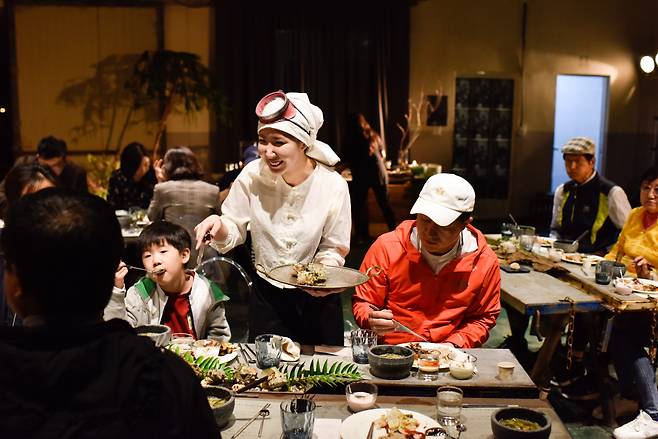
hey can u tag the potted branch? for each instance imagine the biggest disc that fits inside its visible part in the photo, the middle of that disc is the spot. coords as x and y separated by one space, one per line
168 79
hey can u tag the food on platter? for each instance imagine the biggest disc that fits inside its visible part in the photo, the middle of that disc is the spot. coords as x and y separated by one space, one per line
545 242
579 258
639 285
515 266
310 274
399 425
442 351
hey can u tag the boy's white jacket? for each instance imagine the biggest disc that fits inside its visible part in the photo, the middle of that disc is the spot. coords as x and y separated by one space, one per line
145 302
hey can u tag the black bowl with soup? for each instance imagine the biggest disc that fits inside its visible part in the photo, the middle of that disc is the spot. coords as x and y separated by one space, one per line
520 423
390 362
222 403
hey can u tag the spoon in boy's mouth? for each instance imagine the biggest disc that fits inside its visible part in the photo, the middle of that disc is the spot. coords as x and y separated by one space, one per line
156 272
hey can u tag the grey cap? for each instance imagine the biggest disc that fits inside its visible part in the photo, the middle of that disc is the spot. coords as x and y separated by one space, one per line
579 145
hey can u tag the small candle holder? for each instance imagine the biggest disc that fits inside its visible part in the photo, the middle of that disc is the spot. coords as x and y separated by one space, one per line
361 396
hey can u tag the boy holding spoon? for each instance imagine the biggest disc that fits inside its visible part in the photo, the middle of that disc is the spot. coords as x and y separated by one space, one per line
185 301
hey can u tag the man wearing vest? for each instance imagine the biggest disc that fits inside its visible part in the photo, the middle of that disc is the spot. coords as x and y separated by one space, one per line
588 202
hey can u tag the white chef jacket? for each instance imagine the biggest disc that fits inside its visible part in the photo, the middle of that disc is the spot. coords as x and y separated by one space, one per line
288 224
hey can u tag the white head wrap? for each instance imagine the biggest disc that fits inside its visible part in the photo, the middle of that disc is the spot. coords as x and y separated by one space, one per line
305 127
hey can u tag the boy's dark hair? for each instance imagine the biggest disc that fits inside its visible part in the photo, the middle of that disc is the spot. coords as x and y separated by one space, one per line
21 177
64 248
51 147
649 175
161 232
180 163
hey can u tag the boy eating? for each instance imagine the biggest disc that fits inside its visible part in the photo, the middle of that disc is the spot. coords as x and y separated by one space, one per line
185 301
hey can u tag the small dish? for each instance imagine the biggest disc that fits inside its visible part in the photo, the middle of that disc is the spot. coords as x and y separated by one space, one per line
501 431
390 368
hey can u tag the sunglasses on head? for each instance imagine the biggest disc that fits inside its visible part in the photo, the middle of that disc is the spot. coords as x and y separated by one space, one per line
282 108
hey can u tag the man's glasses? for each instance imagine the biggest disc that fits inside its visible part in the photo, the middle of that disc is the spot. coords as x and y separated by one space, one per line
281 109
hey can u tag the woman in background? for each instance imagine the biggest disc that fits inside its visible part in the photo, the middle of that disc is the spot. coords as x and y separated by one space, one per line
181 196
366 154
132 184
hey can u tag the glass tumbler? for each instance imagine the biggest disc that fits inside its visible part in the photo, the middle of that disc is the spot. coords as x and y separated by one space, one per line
449 404
297 418
268 350
603 272
362 340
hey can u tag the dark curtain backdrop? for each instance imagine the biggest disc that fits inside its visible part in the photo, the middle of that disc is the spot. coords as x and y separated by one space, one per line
348 56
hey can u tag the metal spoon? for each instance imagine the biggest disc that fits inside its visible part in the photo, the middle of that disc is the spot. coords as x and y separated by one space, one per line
260 413
156 271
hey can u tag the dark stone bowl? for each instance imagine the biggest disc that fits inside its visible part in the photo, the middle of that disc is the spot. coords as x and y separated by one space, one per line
390 368
222 413
502 432
160 334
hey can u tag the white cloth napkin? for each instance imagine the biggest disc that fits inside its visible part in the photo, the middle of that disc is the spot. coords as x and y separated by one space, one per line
290 350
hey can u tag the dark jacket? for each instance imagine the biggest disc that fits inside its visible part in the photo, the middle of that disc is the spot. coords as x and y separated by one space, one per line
98 381
585 207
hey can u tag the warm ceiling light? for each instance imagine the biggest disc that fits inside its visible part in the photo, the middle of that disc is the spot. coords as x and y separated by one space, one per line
647 64
657 58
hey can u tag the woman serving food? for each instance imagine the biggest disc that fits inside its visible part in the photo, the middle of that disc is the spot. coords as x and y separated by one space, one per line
298 211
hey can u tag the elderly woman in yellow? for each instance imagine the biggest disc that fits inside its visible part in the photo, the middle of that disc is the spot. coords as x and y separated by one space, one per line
638 241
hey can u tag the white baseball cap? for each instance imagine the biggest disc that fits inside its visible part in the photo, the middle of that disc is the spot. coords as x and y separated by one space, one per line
444 197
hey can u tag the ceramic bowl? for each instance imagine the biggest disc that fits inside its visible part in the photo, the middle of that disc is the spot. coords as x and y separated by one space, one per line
567 245
223 412
500 431
160 334
390 368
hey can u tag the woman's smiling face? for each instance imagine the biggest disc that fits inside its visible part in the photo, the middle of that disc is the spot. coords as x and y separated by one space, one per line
649 195
282 152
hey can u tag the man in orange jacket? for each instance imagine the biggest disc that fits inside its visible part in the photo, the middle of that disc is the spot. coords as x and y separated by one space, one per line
439 277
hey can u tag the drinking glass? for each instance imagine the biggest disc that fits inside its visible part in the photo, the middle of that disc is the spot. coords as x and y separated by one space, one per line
428 366
362 340
361 396
506 231
181 338
603 272
268 350
618 270
448 404
297 418
527 241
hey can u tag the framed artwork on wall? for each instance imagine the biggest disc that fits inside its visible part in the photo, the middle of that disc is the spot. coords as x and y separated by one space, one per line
482 134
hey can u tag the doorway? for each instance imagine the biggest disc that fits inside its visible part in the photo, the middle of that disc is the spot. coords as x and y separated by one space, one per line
581 109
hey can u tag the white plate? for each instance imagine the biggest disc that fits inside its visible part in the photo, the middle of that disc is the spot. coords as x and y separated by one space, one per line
357 425
578 258
545 241
451 352
632 284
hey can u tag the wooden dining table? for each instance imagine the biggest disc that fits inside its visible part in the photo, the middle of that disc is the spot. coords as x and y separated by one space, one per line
484 383
332 410
550 297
